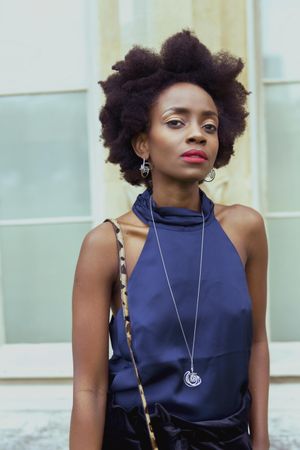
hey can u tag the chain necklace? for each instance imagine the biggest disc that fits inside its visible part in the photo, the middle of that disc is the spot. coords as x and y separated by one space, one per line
190 378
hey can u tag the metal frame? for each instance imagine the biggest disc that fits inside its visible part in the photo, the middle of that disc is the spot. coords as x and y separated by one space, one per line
283 355
34 354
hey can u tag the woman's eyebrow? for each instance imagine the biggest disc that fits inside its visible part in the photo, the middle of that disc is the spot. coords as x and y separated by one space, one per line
183 110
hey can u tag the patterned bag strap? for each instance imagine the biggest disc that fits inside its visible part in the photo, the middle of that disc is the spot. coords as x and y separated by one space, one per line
124 299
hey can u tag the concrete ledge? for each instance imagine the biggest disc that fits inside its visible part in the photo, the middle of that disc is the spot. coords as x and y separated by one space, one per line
22 361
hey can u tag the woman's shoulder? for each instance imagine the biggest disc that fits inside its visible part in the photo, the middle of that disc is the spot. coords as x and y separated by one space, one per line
240 215
103 235
99 243
243 225
131 219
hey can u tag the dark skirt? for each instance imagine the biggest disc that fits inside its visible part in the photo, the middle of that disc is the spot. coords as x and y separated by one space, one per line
127 430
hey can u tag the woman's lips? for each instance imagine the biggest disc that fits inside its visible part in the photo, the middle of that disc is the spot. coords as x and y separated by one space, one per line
194 156
194 159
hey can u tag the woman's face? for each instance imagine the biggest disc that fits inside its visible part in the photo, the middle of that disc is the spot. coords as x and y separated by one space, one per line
183 118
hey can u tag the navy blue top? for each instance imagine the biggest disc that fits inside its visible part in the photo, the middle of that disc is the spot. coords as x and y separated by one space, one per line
224 328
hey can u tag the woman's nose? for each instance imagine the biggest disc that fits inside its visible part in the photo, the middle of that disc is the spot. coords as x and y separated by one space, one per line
195 134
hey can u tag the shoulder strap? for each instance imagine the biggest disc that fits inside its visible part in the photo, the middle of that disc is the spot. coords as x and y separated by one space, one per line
127 323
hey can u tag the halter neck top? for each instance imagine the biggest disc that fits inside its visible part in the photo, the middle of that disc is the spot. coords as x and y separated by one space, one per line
224 320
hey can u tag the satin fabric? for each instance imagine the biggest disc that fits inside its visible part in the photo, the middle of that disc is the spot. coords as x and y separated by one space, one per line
224 328
127 430
172 216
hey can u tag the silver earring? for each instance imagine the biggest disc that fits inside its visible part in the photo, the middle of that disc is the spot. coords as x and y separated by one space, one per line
212 175
145 168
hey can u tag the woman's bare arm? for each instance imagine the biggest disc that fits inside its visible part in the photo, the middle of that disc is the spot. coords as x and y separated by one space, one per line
95 275
256 271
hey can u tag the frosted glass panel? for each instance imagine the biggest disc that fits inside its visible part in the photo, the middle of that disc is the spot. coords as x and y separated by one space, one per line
134 22
43 45
44 167
38 265
283 147
284 276
280 32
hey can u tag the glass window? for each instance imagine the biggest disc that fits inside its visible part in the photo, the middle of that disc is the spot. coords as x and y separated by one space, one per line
48 91
133 23
284 250
44 157
44 173
280 33
38 265
282 106
281 71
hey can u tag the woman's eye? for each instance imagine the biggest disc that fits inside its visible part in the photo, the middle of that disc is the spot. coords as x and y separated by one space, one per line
174 122
210 127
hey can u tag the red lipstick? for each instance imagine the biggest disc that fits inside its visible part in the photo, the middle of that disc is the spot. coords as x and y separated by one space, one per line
194 156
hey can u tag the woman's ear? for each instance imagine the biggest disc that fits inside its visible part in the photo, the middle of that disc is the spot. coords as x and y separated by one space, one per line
140 145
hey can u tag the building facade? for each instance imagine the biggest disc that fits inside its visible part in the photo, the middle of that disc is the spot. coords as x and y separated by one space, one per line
55 185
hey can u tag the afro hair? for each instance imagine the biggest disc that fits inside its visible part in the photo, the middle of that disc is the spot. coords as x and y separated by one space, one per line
144 74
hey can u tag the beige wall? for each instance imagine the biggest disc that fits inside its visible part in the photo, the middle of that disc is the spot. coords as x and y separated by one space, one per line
220 25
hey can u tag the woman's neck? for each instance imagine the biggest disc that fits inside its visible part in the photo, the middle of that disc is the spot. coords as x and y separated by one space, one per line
186 196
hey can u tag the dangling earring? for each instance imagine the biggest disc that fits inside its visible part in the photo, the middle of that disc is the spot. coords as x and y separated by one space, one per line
145 168
212 175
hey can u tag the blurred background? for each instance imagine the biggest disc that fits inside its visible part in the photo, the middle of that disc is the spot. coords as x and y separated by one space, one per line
55 185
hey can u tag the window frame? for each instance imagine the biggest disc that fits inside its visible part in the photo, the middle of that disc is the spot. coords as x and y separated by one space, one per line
284 356
54 360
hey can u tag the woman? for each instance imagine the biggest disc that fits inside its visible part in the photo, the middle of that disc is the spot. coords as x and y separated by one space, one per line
190 356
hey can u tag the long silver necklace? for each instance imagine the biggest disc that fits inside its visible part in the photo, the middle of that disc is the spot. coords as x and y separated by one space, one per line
190 378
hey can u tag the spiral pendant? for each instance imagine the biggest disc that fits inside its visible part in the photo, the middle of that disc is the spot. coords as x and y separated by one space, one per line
191 379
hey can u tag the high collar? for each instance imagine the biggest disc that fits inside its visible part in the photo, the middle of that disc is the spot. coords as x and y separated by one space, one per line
170 215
